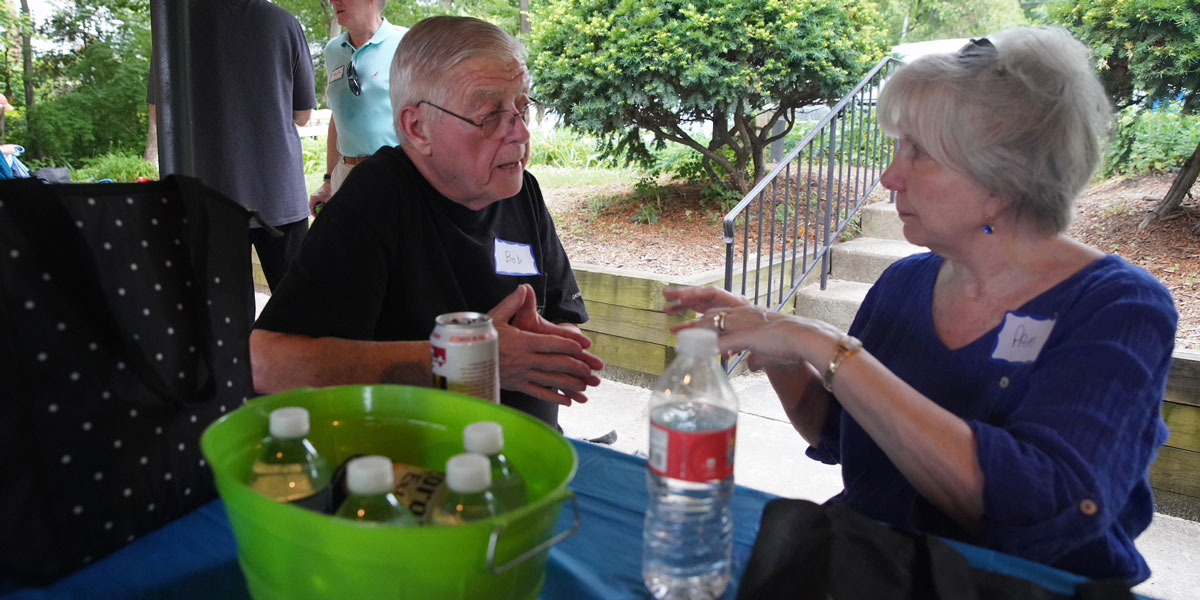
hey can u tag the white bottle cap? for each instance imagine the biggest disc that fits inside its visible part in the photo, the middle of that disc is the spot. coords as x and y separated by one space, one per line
696 342
368 475
484 437
469 473
289 423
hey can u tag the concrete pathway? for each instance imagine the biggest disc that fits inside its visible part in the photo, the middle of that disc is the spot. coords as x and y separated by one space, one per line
770 457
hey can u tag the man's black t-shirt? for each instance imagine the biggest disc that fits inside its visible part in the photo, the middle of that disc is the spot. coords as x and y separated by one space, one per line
389 254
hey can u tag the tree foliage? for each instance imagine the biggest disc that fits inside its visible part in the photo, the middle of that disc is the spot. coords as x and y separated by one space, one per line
1148 52
90 87
621 68
922 20
96 102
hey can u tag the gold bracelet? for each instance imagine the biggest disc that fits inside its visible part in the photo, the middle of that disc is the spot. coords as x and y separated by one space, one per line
847 346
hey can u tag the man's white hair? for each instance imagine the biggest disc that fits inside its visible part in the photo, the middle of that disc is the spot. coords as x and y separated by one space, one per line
435 46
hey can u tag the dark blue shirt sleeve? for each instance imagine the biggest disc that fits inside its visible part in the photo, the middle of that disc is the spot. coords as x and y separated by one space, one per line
1069 459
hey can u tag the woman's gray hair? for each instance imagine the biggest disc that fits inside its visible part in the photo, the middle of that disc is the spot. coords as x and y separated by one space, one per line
1021 113
435 46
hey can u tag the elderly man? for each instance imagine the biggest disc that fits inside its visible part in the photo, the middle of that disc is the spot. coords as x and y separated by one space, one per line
422 229
357 64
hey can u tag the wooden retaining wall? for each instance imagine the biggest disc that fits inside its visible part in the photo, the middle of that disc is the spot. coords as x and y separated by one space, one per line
627 325
628 328
1175 475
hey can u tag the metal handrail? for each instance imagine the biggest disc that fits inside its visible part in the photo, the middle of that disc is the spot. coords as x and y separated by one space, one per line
845 152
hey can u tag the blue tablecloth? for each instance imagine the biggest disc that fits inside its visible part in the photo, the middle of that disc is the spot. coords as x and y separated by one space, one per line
196 557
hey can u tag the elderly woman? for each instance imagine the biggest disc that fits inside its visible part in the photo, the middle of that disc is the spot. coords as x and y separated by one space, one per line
1007 386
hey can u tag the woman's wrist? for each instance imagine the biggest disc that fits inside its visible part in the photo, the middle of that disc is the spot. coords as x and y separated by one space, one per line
847 346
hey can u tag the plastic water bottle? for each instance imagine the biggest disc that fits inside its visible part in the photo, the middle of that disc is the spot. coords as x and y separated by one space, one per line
370 480
289 469
487 438
467 499
688 535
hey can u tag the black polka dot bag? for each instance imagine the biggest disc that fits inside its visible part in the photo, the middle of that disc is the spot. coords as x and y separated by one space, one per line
124 322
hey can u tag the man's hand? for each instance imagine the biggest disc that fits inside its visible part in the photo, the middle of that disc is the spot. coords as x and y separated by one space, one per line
542 359
321 196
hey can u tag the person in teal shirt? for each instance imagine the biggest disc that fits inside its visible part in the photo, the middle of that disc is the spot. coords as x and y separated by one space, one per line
357 64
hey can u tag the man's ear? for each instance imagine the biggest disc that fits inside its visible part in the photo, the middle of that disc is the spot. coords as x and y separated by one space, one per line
414 127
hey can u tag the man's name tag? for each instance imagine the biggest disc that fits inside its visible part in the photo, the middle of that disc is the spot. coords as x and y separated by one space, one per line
1021 338
336 74
514 259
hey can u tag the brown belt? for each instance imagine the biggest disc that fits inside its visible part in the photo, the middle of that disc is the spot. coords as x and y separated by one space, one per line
353 160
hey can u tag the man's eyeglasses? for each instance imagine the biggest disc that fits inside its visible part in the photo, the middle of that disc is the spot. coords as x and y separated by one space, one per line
491 122
352 79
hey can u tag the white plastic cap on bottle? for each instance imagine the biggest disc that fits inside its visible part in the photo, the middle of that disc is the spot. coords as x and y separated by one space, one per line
484 437
289 423
368 475
696 342
469 473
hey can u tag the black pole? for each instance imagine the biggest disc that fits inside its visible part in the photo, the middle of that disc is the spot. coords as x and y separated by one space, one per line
172 50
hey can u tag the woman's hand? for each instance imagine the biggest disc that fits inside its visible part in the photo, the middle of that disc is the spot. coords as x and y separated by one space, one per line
700 299
771 338
776 343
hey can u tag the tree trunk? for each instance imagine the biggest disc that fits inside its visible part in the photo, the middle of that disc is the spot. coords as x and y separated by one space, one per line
151 152
909 9
524 5
27 72
334 29
1179 188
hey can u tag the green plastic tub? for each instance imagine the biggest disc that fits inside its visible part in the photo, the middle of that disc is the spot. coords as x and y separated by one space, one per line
287 552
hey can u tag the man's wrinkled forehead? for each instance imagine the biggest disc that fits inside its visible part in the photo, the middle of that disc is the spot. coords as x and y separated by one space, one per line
500 70
491 77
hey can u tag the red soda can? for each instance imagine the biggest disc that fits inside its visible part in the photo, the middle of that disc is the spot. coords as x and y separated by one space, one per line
465 353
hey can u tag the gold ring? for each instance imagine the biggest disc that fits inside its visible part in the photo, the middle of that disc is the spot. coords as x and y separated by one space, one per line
719 321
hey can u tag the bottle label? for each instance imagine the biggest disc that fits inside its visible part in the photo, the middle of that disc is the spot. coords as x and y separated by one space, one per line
417 488
699 457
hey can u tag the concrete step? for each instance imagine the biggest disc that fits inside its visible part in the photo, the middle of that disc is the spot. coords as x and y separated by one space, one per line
879 220
864 259
836 304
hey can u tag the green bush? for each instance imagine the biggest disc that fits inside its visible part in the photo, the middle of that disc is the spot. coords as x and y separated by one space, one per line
682 162
1152 140
566 148
117 166
100 107
315 160
649 196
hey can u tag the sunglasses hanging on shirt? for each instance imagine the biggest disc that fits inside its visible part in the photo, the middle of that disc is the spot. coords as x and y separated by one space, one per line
352 79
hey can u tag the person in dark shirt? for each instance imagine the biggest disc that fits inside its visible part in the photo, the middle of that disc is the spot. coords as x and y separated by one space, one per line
247 146
1007 389
448 221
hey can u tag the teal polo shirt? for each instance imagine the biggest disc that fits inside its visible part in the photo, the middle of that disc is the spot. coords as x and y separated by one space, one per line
364 122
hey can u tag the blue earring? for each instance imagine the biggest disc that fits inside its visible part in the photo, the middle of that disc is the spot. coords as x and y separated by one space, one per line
988 229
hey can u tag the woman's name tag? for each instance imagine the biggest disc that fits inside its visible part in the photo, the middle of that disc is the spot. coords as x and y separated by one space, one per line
1021 338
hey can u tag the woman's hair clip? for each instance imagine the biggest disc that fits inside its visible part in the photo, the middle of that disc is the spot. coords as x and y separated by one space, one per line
976 50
